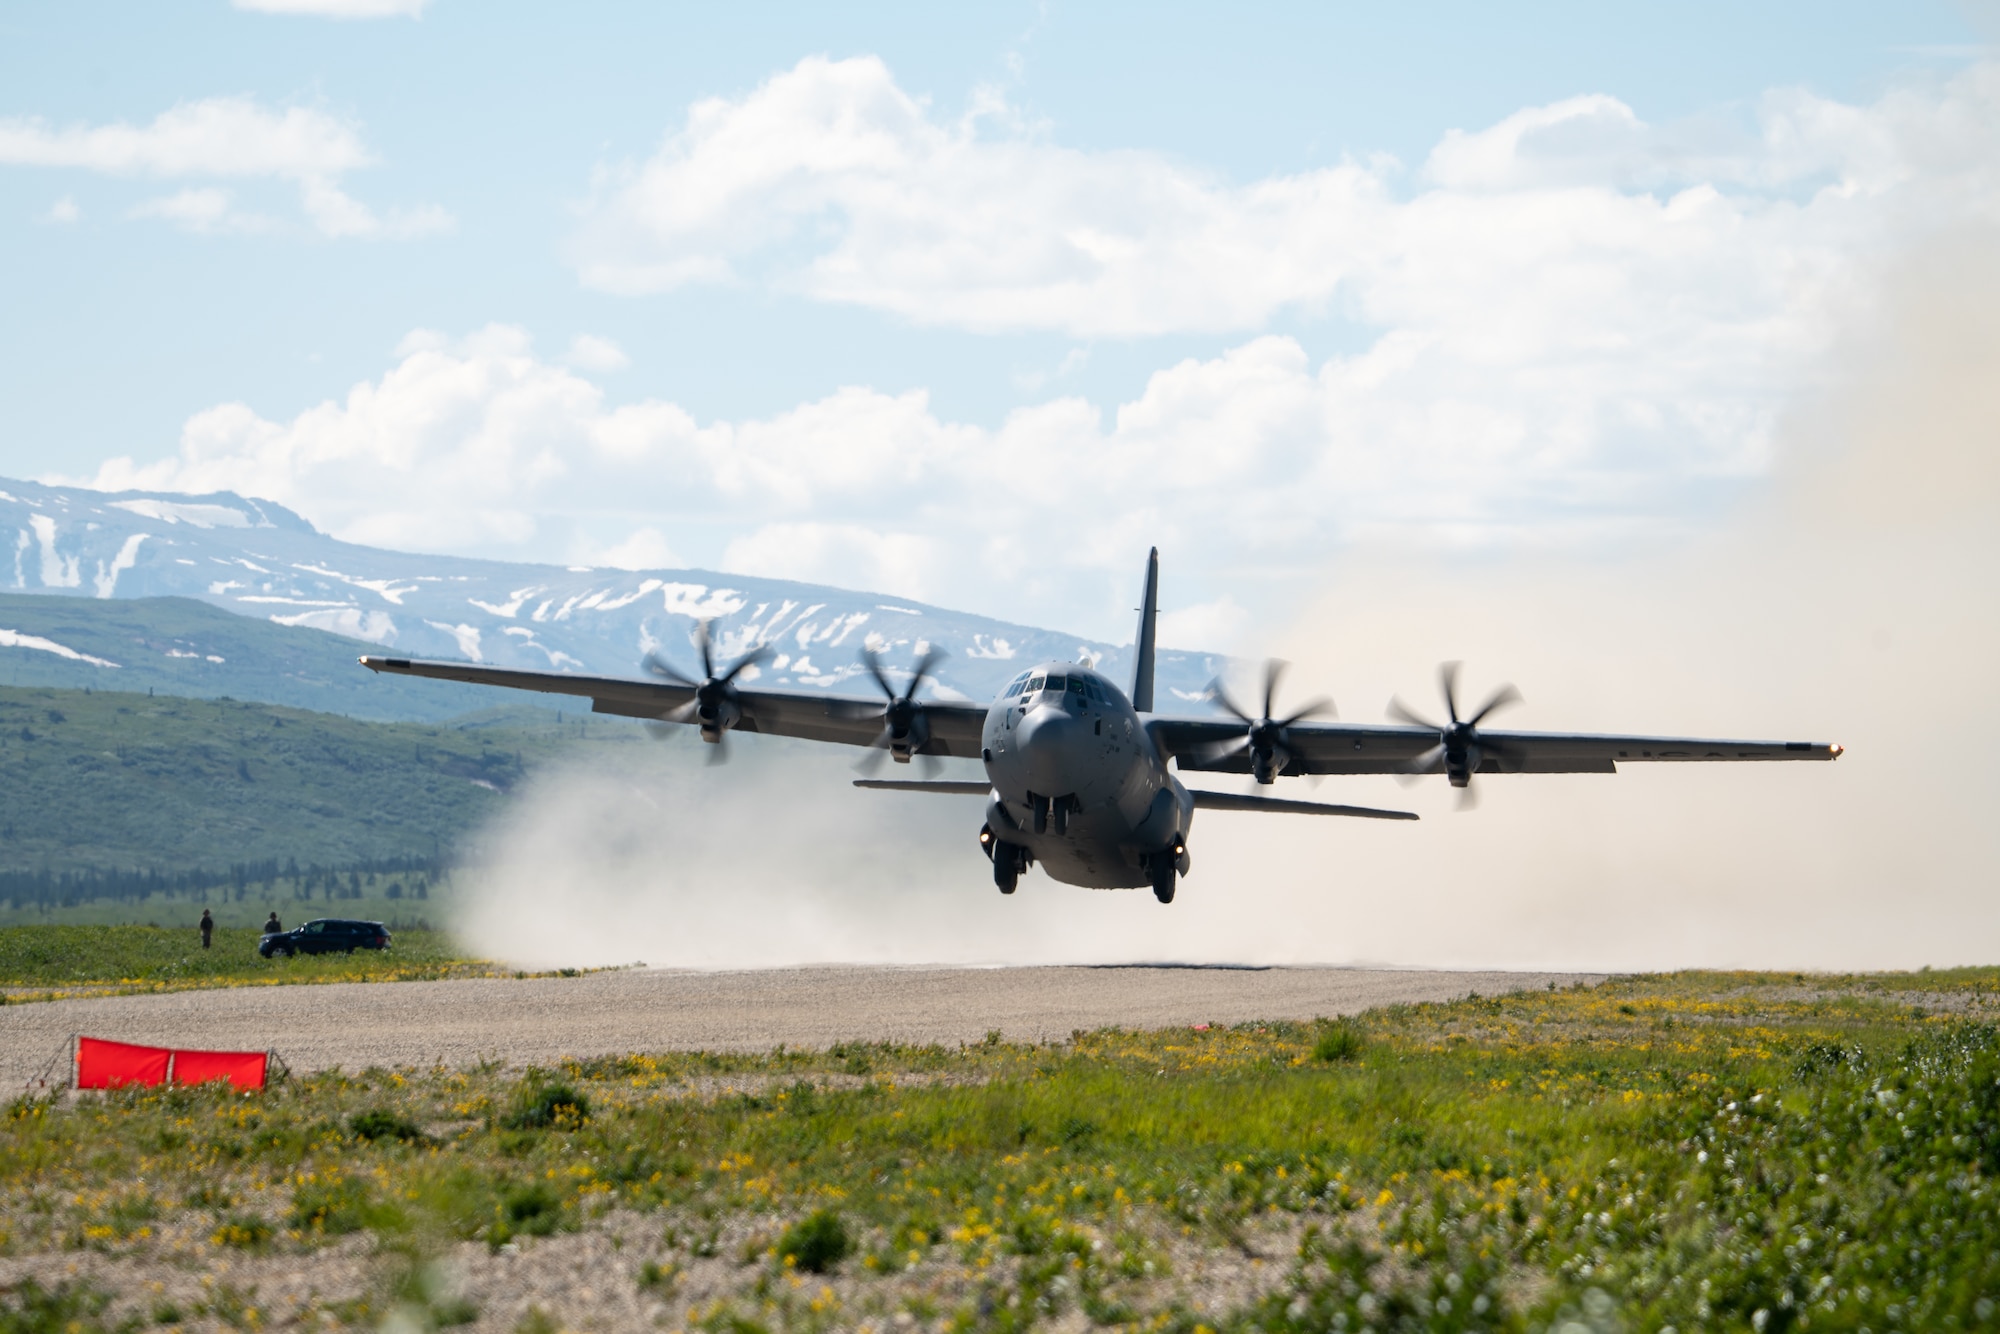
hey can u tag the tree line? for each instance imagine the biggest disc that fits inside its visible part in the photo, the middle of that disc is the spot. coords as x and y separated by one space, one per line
72 888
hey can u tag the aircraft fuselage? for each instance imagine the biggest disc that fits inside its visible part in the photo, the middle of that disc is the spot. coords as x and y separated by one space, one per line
1079 784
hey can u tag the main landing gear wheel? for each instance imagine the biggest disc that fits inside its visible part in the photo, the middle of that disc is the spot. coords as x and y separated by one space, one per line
1007 860
1164 875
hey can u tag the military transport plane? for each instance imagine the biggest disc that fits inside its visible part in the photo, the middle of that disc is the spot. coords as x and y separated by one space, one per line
1080 774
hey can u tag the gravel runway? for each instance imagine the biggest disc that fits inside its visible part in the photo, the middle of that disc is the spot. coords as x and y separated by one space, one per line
538 1020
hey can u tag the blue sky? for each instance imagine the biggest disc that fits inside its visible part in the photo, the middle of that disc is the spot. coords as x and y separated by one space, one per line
1105 256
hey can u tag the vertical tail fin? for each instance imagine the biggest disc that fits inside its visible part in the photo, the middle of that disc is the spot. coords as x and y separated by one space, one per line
1142 648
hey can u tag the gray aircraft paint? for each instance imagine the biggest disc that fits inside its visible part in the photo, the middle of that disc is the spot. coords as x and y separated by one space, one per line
1083 759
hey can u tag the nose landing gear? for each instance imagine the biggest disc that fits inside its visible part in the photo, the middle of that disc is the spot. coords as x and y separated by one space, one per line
1052 812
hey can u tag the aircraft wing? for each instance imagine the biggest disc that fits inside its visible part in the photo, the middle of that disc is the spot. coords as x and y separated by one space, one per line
954 727
1202 745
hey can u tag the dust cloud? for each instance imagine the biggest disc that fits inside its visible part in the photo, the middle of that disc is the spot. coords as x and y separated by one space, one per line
1856 599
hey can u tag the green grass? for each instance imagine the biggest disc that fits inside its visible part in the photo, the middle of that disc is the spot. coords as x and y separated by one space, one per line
1714 1151
143 958
122 781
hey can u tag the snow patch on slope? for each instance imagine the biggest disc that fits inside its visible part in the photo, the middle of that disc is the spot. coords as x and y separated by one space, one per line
127 557
15 639
57 571
374 626
392 590
194 515
466 635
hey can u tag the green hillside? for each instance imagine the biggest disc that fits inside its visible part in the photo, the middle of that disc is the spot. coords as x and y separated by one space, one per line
108 781
177 646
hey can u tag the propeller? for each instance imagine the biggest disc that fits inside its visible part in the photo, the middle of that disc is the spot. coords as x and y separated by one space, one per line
715 706
1265 737
1460 748
905 730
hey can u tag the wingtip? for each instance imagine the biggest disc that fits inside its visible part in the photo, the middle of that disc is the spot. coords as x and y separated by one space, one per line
1835 751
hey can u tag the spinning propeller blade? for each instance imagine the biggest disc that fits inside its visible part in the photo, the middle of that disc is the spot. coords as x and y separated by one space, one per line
905 732
715 707
1266 737
1460 747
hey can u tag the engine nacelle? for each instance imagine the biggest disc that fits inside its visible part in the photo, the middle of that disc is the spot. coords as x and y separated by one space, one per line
1267 762
715 713
1460 763
909 740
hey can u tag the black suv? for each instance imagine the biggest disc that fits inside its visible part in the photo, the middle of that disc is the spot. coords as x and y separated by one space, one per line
326 936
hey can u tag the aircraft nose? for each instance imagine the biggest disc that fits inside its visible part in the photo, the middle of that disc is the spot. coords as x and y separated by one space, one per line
1045 737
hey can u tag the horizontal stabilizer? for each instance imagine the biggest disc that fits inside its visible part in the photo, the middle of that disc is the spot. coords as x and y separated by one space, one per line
1230 801
913 785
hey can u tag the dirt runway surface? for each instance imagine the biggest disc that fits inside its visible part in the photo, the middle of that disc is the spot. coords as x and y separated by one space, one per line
535 1021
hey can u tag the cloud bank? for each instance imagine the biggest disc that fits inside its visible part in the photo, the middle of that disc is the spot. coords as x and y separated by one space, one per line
1561 230
1256 457
1581 330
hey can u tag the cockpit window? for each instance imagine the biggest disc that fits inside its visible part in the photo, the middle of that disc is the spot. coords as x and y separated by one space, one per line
1078 686
1034 684
1058 683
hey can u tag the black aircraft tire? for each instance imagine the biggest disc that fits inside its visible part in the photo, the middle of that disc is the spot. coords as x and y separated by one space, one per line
1006 867
1163 879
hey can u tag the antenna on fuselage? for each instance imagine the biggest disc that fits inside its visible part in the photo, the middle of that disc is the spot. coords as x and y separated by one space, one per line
1142 651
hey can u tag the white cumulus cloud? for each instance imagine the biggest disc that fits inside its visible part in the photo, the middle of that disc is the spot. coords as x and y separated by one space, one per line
644 548
228 137
588 352
205 209
832 181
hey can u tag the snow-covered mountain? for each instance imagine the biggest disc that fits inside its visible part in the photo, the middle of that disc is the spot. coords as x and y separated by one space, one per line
259 559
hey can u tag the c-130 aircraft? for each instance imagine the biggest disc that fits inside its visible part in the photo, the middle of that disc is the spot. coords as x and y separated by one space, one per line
1081 776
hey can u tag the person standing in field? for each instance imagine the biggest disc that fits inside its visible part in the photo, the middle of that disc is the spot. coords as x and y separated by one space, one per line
207 928
272 927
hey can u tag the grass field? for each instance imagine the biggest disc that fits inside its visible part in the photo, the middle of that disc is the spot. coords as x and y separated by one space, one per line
103 781
382 896
37 961
1691 1152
